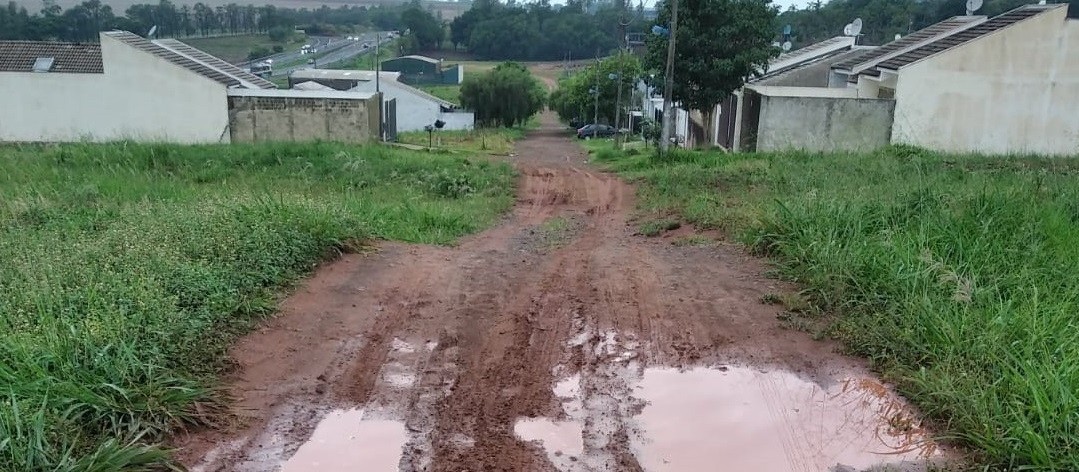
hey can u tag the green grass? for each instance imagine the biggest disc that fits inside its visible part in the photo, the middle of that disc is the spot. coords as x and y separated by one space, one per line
483 140
958 276
235 48
126 269
450 93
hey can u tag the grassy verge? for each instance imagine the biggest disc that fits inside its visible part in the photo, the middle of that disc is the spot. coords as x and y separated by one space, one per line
450 93
235 48
126 269
957 275
483 140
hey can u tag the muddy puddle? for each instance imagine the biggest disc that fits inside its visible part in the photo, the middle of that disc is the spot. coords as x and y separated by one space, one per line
345 440
737 418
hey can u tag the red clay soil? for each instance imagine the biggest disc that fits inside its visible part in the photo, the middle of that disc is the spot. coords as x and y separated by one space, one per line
458 343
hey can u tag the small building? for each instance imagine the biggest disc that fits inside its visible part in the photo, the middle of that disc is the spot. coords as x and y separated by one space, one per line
412 109
130 88
417 70
969 84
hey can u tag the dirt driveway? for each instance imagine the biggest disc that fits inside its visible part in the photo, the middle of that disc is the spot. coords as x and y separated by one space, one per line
557 341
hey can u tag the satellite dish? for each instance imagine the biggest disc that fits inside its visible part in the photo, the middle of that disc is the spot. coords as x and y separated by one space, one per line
973 6
153 29
787 46
856 27
898 36
848 30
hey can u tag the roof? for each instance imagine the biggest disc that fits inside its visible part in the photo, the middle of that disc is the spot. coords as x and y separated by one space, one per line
826 47
809 54
138 42
419 93
310 85
290 93
967 35
247 79
71 58
334 74
871 58
416 58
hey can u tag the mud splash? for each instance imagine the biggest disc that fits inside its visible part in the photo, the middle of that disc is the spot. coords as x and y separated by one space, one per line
747 419
346 441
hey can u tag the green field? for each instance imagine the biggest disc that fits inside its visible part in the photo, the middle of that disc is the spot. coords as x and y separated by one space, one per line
235 48
958 276
126 269
450 93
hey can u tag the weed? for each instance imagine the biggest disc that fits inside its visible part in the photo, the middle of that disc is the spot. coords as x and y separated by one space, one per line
126 269
656 227
955 274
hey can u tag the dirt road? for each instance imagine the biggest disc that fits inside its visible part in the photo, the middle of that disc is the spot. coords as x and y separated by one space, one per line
557 341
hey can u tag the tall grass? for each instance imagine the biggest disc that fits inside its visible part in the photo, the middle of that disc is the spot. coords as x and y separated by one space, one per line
126 269
957 275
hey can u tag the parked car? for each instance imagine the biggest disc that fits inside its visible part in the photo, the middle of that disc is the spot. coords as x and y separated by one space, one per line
598 131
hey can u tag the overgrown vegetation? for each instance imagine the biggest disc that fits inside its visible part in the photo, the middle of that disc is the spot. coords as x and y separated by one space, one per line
483 140
126 269
508 95
956 275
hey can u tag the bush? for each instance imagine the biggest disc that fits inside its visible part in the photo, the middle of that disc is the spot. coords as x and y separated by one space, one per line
258 53
277 48
508 95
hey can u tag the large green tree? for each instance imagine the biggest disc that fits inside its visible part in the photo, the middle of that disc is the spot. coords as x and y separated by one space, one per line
507 95
425 30
720 43
575 99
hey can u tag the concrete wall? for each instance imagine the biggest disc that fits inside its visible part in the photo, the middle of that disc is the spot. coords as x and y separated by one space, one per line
297 118
139 97
414 111
1013 91
823 123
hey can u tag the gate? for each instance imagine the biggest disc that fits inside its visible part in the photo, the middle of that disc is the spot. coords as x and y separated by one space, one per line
390 129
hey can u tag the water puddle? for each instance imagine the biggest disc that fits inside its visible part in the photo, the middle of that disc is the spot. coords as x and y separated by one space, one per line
744 419
557 437
345 441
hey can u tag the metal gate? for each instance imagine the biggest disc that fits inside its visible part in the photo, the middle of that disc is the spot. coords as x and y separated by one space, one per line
391 120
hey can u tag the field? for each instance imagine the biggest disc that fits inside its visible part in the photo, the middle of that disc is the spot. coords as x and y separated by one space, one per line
235 48
955 275
126 270
450 93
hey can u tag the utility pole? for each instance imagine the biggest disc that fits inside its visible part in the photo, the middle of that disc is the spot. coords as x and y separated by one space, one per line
378 89
595 114
668 81
622 24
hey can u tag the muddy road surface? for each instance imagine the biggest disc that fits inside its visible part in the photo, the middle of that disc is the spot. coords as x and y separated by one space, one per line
559 340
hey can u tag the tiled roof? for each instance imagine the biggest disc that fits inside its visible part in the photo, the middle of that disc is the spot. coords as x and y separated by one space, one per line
929 33
995 24
216 63
815 48
139 42
72 58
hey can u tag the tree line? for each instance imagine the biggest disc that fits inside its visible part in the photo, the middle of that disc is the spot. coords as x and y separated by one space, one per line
540 31
83 21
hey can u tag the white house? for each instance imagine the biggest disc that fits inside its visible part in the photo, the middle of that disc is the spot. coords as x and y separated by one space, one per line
413 108
125 87
1003 85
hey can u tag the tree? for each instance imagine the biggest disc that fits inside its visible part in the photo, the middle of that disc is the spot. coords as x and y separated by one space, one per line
721 43
425 29
574 99
508 95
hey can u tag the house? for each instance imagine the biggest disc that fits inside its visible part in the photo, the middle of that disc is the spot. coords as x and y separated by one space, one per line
424 70
804 67
413 109
1002 85
130 88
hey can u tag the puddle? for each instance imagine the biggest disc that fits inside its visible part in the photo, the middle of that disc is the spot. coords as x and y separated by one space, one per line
557 437
743 419
345 441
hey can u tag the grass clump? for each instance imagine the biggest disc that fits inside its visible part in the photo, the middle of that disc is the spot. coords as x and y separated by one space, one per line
126 269
957 275
482 140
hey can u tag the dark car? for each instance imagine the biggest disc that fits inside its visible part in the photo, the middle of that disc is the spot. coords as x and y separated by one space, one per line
597 131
